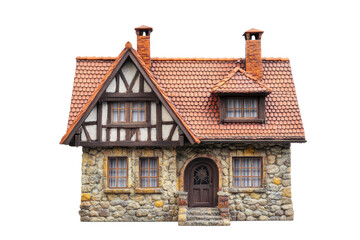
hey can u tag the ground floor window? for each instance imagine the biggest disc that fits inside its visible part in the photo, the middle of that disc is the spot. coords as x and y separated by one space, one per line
118 168
247 172
148 172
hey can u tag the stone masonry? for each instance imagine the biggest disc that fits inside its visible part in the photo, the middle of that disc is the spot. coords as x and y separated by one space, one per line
98 203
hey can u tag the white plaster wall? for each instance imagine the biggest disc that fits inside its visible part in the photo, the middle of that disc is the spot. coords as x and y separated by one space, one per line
147 87
136 86
82 136
166 131
92 131
129 71
113 134
133 138
122 134
104 113
143 134
175 136
165 114
92 116
122 87
112 86
153 113
153 134
103 135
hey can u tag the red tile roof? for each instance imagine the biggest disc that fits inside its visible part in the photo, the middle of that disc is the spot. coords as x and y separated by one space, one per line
238 81
188 84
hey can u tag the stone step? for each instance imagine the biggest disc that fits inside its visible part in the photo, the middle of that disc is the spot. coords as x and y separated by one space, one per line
205 223
203 211
203 217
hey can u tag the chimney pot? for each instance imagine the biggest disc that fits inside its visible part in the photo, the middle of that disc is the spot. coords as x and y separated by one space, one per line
143 43
253 52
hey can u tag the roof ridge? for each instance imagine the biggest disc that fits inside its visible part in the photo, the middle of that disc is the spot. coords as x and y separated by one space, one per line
232 73
183 59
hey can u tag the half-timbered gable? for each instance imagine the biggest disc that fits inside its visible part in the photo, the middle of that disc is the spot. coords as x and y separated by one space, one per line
128 112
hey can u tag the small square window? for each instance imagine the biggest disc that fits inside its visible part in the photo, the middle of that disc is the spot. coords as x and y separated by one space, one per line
247 172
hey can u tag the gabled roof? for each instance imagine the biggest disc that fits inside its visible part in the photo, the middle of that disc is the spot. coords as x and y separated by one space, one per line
188 85
239 81
128 51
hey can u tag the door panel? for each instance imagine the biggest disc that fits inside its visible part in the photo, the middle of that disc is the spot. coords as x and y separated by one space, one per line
201 182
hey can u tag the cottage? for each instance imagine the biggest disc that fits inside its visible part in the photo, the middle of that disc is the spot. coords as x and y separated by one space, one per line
201 141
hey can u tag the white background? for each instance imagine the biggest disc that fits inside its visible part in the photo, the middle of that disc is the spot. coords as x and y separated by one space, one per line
40 179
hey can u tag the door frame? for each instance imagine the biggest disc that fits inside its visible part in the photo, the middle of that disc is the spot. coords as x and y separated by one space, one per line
215 179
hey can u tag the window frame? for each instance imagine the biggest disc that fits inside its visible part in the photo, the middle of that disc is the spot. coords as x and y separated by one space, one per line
251 170
128 112
242 107
148 177
116 177
260 113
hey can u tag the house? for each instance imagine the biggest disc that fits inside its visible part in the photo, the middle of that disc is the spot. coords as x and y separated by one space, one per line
201 141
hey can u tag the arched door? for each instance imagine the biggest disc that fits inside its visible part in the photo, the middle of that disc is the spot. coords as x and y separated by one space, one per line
201 183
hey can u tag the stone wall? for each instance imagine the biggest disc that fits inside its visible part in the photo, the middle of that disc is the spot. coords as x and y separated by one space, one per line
272 202
132 203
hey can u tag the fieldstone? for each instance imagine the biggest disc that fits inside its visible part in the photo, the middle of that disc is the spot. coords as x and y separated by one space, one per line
83 213
287 206
289 212
251 218
256 213
104 213
182 218
254 196
272 187
277 181
105 204
287 192
263 218
240 216
275 196
272 169
248 212
133 205
279 212
138 198
118 202
159 203
85 197
141 213
271 159
286 183
94 214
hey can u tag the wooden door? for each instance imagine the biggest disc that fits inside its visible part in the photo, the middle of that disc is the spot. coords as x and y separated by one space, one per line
202 183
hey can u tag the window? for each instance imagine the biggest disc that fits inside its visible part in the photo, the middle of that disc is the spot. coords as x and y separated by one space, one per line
247 172
241 108
125 112
148 172
117 172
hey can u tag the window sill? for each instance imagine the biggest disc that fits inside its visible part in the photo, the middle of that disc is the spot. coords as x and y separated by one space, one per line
244 120
117 190
247 190
148 190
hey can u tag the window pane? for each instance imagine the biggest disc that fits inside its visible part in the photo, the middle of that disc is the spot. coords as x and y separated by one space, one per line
254 103
112 182
122 105
135 115
237 103
230 103
230 113
237 113
121 173
135 105
256 163
122 163
236 172
153 163
245 182
236 162
121 182
112 172
144 163
246 103
144 182
153 182
153 172
256 172
144 172
114 105
246 113
236 182
142 116
112 163
122 115
142 105
115 115
253 112
256 182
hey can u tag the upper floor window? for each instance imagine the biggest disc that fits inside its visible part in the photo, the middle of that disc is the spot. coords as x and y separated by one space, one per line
241 108
128 112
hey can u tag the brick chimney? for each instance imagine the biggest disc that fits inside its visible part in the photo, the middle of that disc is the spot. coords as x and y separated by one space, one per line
253 52
143 43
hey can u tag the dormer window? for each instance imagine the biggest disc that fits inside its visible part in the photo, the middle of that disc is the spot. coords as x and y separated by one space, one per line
243 108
